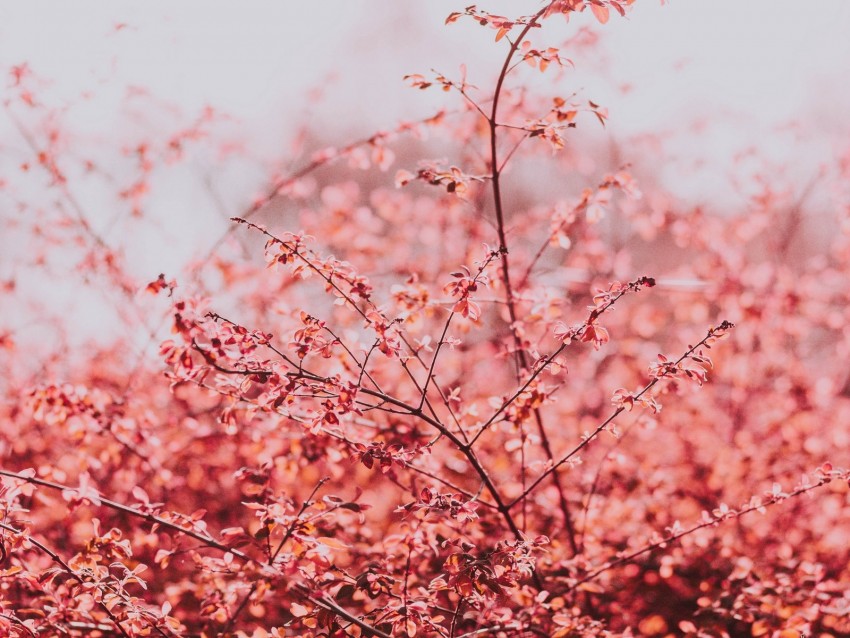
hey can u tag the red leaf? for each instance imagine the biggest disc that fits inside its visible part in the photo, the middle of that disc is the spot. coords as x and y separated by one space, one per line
600 12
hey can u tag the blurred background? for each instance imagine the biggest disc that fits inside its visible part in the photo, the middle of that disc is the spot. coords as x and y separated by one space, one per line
190 110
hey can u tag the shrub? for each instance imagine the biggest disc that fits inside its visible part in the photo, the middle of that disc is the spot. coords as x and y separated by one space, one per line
435 407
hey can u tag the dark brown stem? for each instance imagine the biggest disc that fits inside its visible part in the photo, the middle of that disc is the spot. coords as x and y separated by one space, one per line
208 541
601 427
290 530
627 558
429 377
521 358
462 446
44 549
495 173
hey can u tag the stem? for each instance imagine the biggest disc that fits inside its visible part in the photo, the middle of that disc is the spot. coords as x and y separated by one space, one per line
290 530
44 549
464 448
448 323
593 435
674 537
521 358
208 541
633 286
496 180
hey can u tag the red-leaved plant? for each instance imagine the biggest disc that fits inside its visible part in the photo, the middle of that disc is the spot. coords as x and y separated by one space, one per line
435 409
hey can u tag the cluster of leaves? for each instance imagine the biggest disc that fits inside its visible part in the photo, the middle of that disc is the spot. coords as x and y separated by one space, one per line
409 431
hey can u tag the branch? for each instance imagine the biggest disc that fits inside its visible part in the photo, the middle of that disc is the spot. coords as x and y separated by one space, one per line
522 362
44 549
714 519
712 333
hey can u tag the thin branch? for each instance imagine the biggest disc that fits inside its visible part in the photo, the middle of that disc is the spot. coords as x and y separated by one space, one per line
205 539
281 183
521 358
617 412
290 530
44 549
715 520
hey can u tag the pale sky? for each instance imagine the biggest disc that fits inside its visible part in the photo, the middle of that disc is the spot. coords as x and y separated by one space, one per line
765 59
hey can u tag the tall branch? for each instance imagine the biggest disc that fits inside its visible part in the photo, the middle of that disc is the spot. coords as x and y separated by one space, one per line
522 359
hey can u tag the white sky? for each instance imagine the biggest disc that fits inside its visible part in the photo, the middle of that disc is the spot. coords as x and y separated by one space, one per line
765 59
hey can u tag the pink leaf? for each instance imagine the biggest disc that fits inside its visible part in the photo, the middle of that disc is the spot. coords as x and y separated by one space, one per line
600 12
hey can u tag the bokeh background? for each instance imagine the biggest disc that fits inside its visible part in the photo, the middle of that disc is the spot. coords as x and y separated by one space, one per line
249 91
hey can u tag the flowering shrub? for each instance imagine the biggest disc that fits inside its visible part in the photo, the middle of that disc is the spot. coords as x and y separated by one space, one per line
449 402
